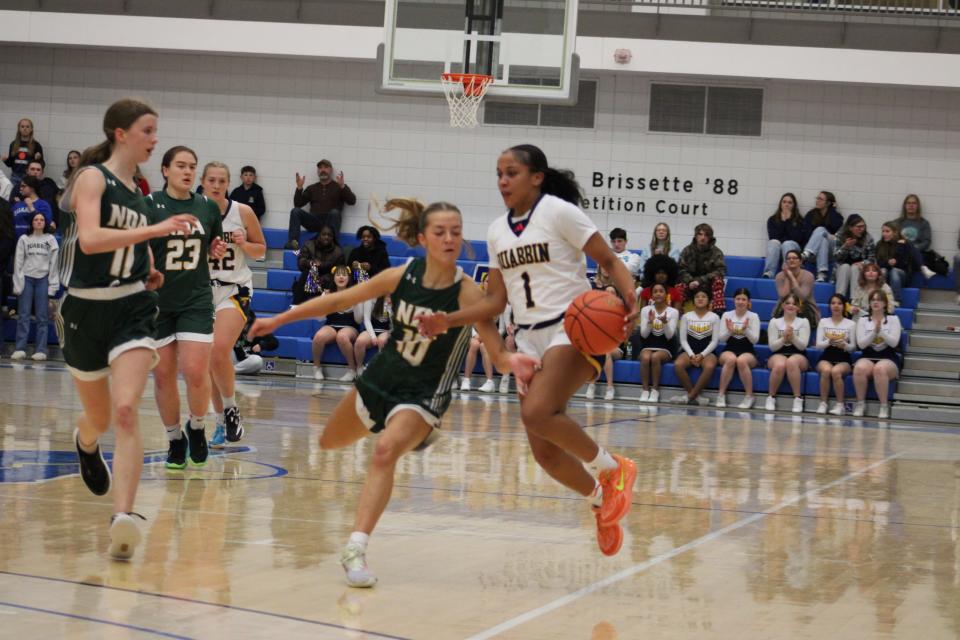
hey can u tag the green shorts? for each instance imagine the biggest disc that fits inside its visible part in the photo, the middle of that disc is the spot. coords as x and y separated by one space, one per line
375 409
193 324
94 332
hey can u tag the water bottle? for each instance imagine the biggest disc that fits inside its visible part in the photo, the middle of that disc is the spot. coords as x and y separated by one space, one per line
629 350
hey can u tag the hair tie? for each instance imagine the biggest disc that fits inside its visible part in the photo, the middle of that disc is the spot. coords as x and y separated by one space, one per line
333 269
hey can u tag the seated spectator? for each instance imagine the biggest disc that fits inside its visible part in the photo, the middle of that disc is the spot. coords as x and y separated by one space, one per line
915 229
73 162
798 281
602 281
35 280
249 192
702 266
48 189
371 254
471 362
788 336
663 270
740 330
878 336
836 339
341 327
699 336
660 244
823 222
618 242
871 279
246 353
854 246
376 325
897 258
316 260
326 198
786 231
658 325
29 204
23 148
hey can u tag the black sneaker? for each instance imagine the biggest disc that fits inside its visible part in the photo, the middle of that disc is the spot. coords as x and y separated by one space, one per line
198 445
177 453
93 468
234 424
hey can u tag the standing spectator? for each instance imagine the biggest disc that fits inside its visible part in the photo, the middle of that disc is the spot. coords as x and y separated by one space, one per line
798 281
702 266
786 231
853 246
618 242
661 269
73 161
8 244
660 244
878 336
371 254
823 222
29 204
658 325
788 336
915 229
48 189
836 339
740 330
699 336
326 199
35 280
23 148
249 192
898 258
316 260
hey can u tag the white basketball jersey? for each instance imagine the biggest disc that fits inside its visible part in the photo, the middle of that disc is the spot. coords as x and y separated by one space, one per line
233 267
543 265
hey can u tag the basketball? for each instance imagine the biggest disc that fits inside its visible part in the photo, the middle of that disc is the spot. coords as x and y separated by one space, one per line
594 322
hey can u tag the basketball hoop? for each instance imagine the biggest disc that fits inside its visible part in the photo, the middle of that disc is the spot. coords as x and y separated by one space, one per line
464 91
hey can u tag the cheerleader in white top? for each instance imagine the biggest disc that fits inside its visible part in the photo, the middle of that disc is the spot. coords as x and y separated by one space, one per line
537 265
836 339
739 330
658 325
788 337
878 336
699 336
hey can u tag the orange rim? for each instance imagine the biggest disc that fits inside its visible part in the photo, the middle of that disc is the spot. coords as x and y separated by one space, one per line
474 84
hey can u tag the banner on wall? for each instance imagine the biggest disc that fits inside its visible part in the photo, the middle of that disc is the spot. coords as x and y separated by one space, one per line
663 195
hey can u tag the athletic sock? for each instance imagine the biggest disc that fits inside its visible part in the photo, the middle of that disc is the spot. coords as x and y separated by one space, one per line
88 448
596 496
603 462
197 422
359 538
229 402
174 432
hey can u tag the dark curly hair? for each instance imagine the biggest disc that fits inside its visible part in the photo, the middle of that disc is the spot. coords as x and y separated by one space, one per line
659 263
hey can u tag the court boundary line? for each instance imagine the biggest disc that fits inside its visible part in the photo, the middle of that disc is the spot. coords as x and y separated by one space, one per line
76 616
669 555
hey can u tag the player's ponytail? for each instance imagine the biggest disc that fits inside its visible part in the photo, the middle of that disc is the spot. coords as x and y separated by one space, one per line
412 218
556 182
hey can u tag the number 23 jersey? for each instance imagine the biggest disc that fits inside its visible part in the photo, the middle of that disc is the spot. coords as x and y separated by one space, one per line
541 258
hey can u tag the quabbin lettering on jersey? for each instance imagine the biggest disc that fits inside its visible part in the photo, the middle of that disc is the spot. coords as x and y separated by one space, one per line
526 254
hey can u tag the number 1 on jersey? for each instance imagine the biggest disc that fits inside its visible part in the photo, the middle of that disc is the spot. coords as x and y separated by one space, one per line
526 290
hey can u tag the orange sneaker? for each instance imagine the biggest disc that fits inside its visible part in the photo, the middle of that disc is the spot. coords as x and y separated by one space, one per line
609 538
617 490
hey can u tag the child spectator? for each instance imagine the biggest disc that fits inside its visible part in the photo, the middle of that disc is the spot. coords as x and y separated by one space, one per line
699 336
915 229
23 148
878 336
823 222
788 337
661 269
740 330
836 339
702 266
29 204
660 244
249 192
786 231
316 260
618 242
371 254
854 246
73 161
35 280
658 325
897 258
871 279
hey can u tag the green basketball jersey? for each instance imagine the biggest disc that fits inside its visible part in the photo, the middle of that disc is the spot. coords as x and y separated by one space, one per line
120 208
412 369
183 258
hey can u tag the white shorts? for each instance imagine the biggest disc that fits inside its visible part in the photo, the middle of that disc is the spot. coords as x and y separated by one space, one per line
536 342
223 297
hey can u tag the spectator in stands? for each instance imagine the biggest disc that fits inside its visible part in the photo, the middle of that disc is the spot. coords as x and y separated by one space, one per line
8 244
29 204
35 280
376 328
73 161
326 198
663 270
604 282
898 258
837 340
660 244
786 231
740 330
471 362
371 254
915 229
702 266
316 260
853 246
699 335
341 327
249 192
878 336
871 279
246 353
658 325
23 148
823 222
788 337
793 278
618 242
48 189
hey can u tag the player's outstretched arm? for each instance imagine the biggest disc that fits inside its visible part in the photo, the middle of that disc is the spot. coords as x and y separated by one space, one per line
487 307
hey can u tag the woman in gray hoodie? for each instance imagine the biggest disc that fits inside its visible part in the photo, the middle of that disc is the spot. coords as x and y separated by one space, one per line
35 280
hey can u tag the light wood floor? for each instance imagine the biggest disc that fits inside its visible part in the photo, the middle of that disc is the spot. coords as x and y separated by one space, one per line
742 527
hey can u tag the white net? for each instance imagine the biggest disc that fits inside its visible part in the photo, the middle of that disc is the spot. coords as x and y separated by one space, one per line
464 93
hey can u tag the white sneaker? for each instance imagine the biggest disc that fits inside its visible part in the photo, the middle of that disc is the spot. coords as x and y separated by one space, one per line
465 385
18 355
859 408
645 395
349 376
771 404
591 391
884 412
721 401
124 536
703 401
837 409
822 408
354 562
487 387
505 384
318 373
797 405
927 272
610 394
746 403
654 396
39 356
680 398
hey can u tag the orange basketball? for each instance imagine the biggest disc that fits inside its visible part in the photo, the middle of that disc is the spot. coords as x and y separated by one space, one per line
594 322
